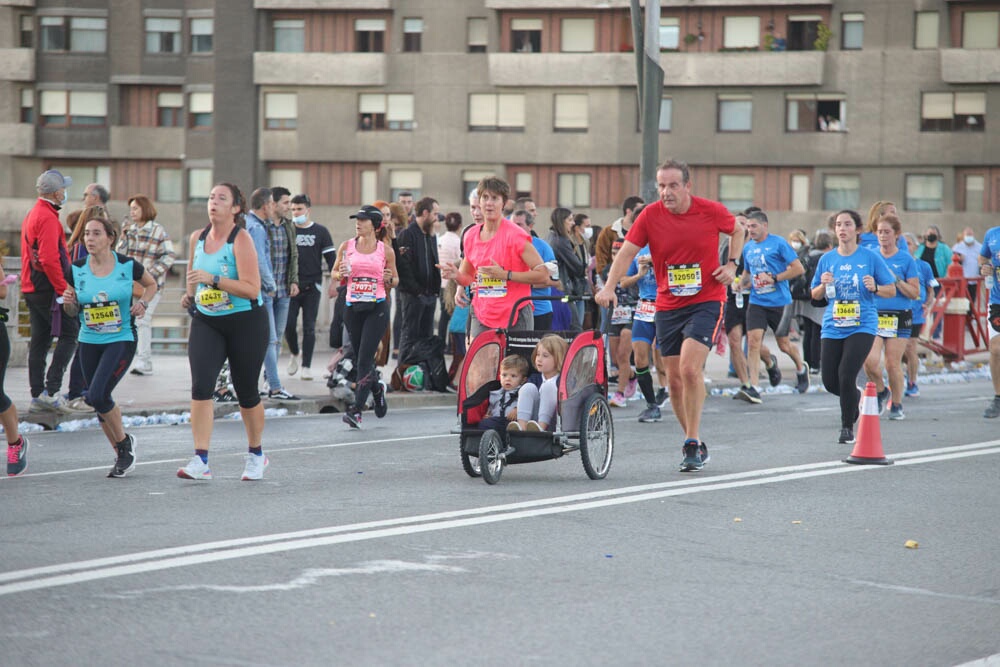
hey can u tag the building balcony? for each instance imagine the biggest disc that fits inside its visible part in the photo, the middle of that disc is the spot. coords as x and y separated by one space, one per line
321 4
625 4
788 68
17 139
154 143
970 65
319 69
17 64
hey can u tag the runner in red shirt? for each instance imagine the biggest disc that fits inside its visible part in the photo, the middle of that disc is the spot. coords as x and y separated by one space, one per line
682 232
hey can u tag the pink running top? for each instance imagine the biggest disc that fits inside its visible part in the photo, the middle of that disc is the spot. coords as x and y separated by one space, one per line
366 283
493 300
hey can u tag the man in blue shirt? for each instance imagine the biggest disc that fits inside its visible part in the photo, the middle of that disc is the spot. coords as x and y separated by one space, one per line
542 308
769 263
989 265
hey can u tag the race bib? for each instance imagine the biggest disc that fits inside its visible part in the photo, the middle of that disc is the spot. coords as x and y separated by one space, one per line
213 300
102 317
684 279
621 315
846 313
362 290
646 311
490 288
888 325
761 287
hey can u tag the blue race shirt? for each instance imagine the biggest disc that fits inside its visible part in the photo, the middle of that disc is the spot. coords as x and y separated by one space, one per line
991 249
105 301
545 251
209 300
647 284
926 274
903 267
772 255
853 310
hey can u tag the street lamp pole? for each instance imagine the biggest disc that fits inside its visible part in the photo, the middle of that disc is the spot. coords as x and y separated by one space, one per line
649 79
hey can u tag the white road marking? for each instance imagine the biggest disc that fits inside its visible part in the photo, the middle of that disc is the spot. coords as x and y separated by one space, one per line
198 554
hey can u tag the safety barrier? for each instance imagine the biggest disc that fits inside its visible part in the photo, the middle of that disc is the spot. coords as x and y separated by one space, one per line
961 309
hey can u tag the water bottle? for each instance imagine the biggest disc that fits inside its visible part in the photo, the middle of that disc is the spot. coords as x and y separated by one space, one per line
831 292
990 281
739 299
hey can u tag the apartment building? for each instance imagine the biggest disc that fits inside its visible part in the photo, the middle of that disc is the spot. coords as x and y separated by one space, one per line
800 107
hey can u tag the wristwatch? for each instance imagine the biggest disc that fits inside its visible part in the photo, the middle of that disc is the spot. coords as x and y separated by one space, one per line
142 302
735 262
215 281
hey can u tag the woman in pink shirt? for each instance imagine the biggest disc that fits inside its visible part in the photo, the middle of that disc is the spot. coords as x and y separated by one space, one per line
501 261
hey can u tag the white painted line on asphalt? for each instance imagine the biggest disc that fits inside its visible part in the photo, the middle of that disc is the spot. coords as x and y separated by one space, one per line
198 554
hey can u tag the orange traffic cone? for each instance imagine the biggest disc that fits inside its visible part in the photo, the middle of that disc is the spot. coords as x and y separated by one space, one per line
868 447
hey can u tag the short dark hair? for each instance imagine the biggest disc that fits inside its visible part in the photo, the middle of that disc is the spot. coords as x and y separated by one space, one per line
278 192
678 165
404 193
260 197
302 199
758 215
630 203
453 221
496 185
855 216
424 205
101 192
521 203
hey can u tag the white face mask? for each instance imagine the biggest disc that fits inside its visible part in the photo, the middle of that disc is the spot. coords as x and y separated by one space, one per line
796 245
588 232
970 239
299 219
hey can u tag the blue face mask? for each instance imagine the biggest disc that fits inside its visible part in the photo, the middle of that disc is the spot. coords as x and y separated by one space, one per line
299 219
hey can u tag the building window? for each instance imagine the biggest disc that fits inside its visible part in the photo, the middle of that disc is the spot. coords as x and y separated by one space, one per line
385 112
523 183
947 112
925 32
924 192
735 113
74 108
573 190
803 29
292 179
201 35
281 111
816 113
577 36
980 30
477 35
670 33
27 36
369 185
571 113
369 35
85 174
470 179
27 105
666 114
200 107
841 191
800 192
741 32
736 191
52 33
405 180
290 35
852 31
199 185
170 109
163 35
494 112
87 35
975 191
169 185
526 35
413 30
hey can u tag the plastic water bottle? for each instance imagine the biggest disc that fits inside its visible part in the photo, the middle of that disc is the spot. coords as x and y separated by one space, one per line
739 299
990 281
831 291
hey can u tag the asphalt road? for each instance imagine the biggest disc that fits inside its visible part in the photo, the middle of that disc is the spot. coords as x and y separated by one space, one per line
375 548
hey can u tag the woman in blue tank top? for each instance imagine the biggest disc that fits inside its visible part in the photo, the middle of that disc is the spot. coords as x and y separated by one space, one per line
100 294
227 322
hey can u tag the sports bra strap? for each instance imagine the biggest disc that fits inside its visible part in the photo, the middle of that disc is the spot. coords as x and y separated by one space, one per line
232 234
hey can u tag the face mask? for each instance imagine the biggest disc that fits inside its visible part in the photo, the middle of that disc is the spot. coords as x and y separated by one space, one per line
588 232
970 239
299 219
932 238
796 245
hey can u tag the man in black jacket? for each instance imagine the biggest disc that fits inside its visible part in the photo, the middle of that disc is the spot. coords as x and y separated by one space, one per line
419 277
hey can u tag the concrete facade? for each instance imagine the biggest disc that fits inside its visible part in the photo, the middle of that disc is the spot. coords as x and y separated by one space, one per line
291 85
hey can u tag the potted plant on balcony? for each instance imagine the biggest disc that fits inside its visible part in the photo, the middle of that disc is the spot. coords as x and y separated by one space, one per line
823 34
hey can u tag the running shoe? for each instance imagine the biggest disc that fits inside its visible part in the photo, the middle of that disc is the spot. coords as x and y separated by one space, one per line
993 409
618 400
883 399
44 402
662 396
293 364
282 395
125 463
896 413
17 457
195 469
650 414
703 450
631 387
802 379
773 372
255 466
378 396
352 418
846 437
748 394
224 397
912 390
78 404
692 457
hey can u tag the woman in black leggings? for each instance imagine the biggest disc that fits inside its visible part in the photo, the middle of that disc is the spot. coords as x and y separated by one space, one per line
17 445
368 265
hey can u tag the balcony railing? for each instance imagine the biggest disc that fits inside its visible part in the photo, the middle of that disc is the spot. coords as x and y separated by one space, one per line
17 64
319 69
970 65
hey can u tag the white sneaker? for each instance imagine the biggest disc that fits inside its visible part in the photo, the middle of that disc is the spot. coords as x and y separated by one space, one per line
306 373
255 466
293 364
78 404
195 469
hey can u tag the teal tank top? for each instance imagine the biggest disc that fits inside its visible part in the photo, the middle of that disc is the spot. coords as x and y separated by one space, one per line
209 300
105 300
